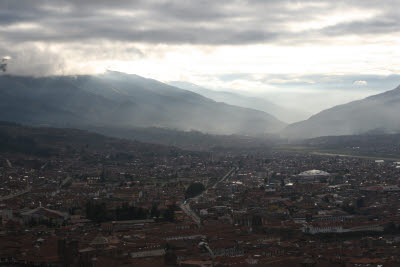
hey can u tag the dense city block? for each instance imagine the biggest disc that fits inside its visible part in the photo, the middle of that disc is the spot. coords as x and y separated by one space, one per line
74 198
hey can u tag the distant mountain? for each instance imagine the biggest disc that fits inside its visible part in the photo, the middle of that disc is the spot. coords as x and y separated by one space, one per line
116 99
285 114
191 140
47 141
378 114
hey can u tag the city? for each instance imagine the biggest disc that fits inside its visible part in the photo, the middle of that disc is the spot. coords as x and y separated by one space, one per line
201 133
127 203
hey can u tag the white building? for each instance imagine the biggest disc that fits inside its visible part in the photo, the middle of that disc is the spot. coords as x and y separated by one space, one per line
311 176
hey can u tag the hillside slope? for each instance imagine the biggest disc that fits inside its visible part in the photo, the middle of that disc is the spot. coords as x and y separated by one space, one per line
116 99
374 114
288 115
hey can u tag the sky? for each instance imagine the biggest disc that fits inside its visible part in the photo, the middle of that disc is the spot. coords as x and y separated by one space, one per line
308 54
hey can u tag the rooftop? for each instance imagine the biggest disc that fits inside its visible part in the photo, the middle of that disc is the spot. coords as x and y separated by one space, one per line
314 173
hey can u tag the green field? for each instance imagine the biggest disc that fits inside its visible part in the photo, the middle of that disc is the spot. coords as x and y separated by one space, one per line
337 152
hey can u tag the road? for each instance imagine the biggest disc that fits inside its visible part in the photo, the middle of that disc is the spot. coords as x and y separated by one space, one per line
185 206
355 156
9 163
65 181
224 177
16 194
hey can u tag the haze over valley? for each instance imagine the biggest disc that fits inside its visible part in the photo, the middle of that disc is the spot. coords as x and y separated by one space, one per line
123 101
374 114
120 100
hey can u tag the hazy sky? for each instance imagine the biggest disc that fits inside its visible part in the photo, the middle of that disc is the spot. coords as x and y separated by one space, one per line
309 53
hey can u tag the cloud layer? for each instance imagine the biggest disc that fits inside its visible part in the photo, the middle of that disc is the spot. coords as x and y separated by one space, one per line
44 25
265 44
195 22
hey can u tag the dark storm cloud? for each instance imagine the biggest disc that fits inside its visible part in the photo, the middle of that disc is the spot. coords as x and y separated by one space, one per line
379 25
195 22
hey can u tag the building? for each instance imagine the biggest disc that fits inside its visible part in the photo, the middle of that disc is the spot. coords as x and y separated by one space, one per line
311 176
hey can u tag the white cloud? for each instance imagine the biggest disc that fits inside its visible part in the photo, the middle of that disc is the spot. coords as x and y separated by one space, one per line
360 83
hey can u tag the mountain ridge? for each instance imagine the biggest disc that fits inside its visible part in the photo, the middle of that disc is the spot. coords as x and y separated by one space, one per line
373 113
123 100
285 114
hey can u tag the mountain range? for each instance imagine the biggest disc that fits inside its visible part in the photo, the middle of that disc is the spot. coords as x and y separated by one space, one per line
289 115
377 114
116 99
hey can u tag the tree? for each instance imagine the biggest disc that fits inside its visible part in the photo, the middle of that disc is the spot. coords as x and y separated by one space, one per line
154 211
194 189
96 212
169 214
103 176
